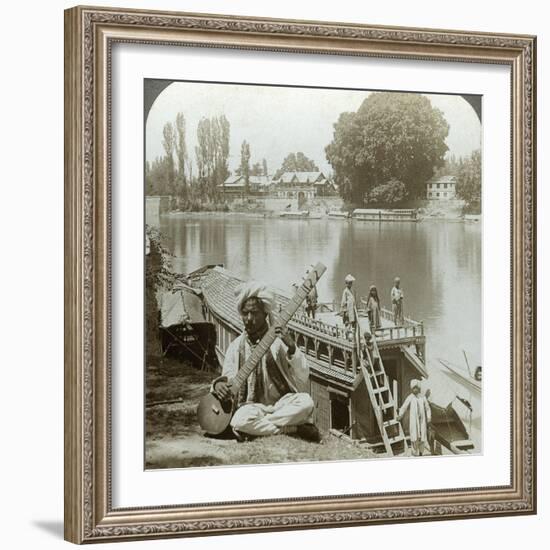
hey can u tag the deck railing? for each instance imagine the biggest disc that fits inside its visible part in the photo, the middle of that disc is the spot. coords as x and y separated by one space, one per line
400 332
322 327
409 329
388 316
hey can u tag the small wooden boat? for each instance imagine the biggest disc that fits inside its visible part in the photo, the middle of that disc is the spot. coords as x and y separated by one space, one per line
463 376
449 431
315 216
294 214
339 214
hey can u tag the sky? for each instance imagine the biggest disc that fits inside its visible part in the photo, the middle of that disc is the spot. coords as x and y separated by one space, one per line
279 120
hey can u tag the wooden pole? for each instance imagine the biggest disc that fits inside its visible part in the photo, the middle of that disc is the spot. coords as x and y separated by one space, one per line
467 363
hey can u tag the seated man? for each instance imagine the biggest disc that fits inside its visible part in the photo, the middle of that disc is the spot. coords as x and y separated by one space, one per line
274 398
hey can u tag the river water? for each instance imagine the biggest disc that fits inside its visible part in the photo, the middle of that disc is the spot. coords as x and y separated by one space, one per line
439 263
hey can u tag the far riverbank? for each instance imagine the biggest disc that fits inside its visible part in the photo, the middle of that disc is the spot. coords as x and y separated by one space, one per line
422 217
271 207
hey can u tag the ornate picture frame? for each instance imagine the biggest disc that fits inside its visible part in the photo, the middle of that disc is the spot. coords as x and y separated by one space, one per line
90 34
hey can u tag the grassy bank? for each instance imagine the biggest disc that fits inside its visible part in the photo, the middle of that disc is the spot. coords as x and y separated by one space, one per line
174 439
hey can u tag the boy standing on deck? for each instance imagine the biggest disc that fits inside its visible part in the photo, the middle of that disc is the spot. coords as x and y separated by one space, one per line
397 302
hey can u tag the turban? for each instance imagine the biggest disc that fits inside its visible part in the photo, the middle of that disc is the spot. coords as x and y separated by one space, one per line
254 290
415 384
349 278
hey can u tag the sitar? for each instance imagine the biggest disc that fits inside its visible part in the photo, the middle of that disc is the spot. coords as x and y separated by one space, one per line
213 414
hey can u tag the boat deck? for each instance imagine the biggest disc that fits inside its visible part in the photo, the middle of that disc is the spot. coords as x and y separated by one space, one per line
411 332
332 318
218 286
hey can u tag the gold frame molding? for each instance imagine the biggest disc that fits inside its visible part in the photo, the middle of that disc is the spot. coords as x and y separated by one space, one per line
89 35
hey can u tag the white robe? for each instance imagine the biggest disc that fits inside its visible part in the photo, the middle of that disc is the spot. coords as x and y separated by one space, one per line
295 370
419 416
272 412
347 305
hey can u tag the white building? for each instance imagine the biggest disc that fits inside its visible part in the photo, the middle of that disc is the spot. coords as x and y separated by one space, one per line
442 188
302 185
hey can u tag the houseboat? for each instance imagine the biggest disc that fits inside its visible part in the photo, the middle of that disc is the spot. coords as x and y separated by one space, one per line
357 388
387 215
294 214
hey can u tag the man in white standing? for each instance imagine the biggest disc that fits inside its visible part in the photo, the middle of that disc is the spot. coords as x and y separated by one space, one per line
275 397
348 303
420 418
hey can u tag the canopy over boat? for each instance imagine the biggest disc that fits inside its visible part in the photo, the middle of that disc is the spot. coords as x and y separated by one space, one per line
180 306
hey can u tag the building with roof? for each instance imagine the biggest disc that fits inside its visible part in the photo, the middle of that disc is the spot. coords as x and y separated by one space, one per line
302 185
236 185
442 188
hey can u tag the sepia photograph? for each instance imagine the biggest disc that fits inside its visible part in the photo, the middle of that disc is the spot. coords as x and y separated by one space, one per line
313 274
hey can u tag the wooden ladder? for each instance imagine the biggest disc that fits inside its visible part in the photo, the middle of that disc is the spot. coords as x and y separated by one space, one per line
381 397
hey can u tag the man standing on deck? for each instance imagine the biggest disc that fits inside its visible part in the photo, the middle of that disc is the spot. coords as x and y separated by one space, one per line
311 302
397 302
274 398
347 307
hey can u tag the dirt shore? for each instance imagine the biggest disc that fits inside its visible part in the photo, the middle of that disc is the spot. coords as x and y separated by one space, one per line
174 439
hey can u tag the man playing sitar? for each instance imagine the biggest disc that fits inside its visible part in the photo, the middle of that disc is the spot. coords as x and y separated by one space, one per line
273 399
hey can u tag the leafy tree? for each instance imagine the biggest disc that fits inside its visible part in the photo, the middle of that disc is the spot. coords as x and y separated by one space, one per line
202 152
245 165
159 276
221 168
181 154
256 169
148 181
212 152
392 192
392 135
156 177
468 182
169 144
450 167
296 162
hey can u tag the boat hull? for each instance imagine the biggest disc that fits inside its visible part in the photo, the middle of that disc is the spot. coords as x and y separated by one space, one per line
449 431
294 215
460 376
